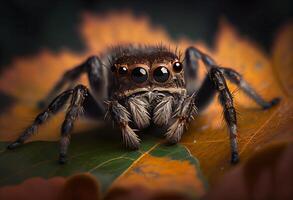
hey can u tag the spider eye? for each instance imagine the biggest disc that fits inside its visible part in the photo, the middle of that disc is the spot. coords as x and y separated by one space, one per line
177 66
161 74
122 70
139 75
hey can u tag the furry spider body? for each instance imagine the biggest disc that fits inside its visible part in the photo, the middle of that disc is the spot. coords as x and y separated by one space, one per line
142 85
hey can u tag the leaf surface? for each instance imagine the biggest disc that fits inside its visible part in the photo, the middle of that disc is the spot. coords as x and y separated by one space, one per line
102 156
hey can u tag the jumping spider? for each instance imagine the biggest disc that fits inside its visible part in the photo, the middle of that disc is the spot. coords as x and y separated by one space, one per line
144 85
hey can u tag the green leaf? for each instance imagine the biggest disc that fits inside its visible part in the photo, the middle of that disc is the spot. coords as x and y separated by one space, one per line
99 153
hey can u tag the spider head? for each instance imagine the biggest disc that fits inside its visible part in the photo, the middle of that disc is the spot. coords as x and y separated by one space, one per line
146 69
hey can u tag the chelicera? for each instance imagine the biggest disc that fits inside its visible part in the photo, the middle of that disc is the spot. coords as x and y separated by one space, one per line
136 86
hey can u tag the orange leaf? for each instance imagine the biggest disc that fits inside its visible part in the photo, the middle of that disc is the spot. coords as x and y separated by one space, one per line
157 174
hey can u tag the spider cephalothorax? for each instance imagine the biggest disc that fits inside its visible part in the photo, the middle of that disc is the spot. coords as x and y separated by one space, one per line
136 85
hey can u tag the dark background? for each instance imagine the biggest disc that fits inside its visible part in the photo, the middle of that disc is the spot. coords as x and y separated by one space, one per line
27 26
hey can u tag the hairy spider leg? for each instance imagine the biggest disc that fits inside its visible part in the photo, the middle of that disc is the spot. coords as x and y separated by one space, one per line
191 66
73 112
192 55
119 114
215 82
237 79
80 96
226 101
52 109
183 114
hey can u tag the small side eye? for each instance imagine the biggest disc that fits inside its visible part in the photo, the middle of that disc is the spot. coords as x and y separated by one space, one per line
177 67
122 70
139 75
161 74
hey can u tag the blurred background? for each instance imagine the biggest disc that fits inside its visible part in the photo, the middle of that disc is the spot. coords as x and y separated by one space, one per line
28 26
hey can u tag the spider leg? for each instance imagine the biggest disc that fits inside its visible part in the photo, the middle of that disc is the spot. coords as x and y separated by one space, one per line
121 116
74 111
93 109
183 114
205 94
237 79
52 109
81 100
191 70
232 75
95 71
215 82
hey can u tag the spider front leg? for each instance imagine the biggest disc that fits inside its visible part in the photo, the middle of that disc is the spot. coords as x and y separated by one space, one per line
121 117
182 116
79 97
53 108
74 111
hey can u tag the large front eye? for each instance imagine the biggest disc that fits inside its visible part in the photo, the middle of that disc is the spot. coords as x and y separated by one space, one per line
139 75
161 74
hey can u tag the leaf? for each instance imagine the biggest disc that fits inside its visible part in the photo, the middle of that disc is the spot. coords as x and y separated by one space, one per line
156 172
102 155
